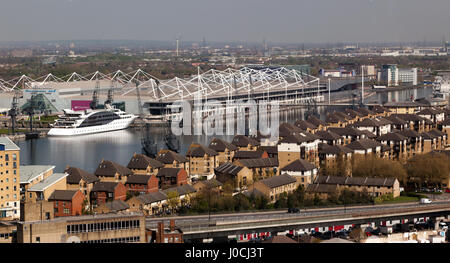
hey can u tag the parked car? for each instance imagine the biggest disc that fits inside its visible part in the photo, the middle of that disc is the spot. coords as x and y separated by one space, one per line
425 201
447 190
293 210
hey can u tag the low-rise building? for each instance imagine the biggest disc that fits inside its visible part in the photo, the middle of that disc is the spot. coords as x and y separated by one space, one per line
245 143
260 167
170 177
108 171
67 202
240 176
303 171
373 186
165 235
213 185
149 204
100 228
202 161
274 186
31 175
142 184
302 145
335 158
103 192
172 159
115 206
225 150
79 179
43 189
143 165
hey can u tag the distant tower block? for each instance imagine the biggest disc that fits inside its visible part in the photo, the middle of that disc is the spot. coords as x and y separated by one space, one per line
178 43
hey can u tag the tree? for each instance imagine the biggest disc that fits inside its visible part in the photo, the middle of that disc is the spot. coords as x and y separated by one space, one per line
378 167
428 169
173 199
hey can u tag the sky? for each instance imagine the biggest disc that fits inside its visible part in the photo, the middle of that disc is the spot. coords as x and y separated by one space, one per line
280 21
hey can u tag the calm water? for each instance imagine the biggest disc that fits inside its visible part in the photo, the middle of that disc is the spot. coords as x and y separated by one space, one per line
87 151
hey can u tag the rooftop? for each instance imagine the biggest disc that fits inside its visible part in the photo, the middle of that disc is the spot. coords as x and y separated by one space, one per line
47 182
9 145
29 172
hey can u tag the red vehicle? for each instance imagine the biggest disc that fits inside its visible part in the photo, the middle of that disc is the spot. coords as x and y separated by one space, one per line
447 190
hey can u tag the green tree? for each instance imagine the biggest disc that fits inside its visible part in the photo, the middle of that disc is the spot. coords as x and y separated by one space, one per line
173 199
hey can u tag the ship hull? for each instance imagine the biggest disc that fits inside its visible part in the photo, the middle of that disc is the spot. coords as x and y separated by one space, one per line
115 125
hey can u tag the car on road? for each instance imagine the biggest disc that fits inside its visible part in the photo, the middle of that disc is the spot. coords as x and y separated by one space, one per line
425 201
293 210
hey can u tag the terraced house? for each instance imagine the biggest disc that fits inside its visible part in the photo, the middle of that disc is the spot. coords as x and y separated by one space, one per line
202 161
225 150
302 145
108 171
172 159
79 179
144 165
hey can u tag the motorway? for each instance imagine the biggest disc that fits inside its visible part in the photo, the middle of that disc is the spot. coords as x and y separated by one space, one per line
234 218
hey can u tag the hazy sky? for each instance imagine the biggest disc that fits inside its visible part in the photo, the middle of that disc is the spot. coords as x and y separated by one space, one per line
299 21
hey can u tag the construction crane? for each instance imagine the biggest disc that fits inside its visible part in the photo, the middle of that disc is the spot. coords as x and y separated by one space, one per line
94 102
149 146
110 97
14 111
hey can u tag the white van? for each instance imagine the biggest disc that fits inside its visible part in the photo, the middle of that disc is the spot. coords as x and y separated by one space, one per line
425 201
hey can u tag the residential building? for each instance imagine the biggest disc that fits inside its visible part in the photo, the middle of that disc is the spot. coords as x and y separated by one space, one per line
245 143
202 161
43 189
303 171
318 124
303 145
272 187
377 126
10 179
397 143
79 179
240 176
103 192
31 175
67 202
212 184
143 165
366 147
389 75
407 76
149 204
170 177
172 159
115 206
108 171
374 186
225 150
142 184
250 155
260 168
165 235
434 115
335 158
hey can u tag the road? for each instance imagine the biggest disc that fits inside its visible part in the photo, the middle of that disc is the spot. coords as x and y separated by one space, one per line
151 222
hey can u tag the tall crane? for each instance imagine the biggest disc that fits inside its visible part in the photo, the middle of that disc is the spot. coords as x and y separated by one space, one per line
14 111
94 102
110 97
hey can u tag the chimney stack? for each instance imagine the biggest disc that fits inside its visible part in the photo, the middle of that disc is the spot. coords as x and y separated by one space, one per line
172 225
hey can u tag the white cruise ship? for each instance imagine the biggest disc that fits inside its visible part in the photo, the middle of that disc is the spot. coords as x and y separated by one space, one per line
91 121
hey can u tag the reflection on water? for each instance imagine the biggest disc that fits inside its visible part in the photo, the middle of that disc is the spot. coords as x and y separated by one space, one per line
86 151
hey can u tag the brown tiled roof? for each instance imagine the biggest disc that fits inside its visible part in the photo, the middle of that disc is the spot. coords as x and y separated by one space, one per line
220 145
380 109
316 122
181 190
396 120
244 141
333 149
299 138
364 144
437 132
109 169
168 172
299 165
104 187
364 111
286 129
328 135
248 154
168 157
141 162
374 122
429 111
321 188
304 125
212 183
409 133
277 181
62 195
446 122
352 113
347 131
259 163
228 168
76 174
117 205
269 149
198 150
138 179
392 136
368 134
152 197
